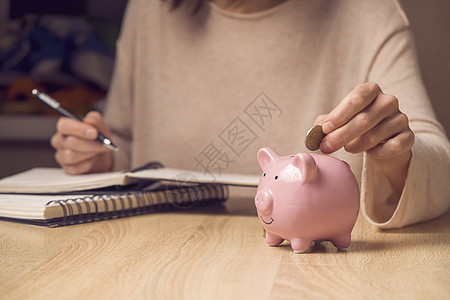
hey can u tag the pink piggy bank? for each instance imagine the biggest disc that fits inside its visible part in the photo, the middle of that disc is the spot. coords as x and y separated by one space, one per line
306 197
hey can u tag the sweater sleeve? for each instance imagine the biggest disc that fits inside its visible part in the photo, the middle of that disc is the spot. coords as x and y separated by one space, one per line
119 113
426 194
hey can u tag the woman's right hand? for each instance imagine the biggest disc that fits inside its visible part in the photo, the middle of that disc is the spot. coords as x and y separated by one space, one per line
77 150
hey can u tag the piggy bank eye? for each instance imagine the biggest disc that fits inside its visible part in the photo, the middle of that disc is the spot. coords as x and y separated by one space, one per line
276 177
264 175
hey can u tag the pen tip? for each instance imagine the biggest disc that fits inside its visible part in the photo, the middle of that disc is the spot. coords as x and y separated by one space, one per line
108 144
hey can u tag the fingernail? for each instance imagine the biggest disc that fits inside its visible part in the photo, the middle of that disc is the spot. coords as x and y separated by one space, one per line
327 127
91 133
325 147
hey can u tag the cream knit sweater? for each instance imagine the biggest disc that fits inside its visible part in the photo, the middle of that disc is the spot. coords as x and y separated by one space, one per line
205 91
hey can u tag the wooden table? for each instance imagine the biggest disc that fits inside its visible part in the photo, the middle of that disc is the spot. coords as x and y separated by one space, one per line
218 253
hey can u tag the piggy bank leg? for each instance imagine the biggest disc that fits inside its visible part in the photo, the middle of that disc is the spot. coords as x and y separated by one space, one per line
342 242
300 245
272 239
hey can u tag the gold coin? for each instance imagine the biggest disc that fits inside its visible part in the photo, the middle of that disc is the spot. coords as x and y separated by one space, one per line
314 138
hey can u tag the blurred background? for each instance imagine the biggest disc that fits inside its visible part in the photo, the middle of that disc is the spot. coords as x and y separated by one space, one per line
66 48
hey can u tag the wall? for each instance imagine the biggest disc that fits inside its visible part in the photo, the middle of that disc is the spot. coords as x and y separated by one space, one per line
430 22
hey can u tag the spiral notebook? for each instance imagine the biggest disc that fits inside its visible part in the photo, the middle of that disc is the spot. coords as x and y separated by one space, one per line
68 209
100 200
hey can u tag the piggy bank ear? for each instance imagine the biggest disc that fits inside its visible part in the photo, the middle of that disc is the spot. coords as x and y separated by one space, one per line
307 166
265 156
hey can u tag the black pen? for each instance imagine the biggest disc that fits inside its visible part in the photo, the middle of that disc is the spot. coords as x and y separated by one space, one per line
65 113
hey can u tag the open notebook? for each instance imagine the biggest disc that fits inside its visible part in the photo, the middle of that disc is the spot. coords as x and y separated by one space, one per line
50 197
55 180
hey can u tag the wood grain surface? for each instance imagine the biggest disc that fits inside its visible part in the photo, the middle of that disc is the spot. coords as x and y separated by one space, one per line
218 253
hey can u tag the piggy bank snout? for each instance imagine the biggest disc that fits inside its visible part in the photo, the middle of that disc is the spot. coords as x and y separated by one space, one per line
264 201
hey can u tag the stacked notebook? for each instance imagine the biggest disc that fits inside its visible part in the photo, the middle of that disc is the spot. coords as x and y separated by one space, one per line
50 197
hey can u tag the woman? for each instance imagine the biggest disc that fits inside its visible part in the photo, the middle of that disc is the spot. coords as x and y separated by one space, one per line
207 84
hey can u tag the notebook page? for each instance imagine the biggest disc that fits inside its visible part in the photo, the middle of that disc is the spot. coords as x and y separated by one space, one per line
55 180
182 176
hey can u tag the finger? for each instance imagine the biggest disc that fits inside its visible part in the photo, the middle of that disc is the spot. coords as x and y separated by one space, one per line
62 142
67 126
383 107
320 119
394 147
385 130
82 167
70 157
95 118
57 141
357 100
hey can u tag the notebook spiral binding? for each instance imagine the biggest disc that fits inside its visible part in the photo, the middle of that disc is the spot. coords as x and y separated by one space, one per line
111 206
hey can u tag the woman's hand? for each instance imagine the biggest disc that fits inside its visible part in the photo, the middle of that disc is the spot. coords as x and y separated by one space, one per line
369 120
77 150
